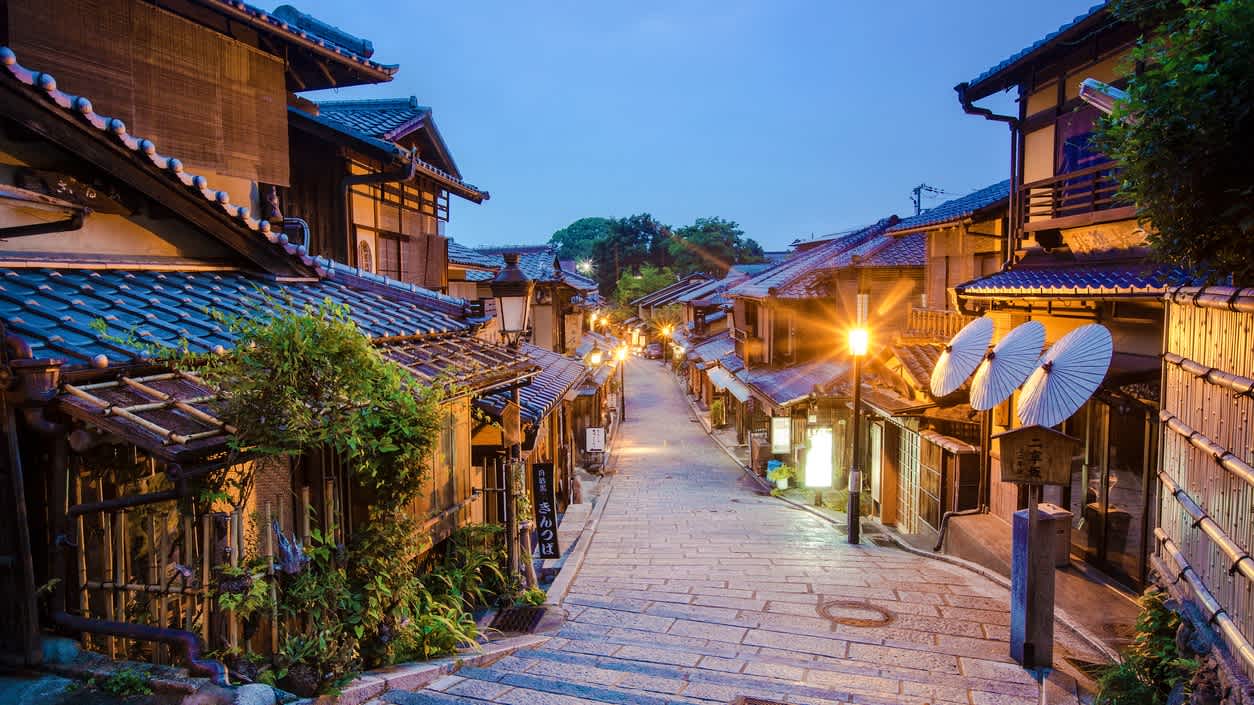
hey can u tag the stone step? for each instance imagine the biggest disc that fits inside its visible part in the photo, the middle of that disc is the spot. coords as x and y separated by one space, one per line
585 692
427 697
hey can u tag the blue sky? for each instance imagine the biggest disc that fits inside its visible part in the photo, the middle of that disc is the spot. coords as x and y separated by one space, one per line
790 118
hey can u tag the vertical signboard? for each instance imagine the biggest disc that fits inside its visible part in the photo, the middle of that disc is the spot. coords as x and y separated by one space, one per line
781 434
546 511
595 440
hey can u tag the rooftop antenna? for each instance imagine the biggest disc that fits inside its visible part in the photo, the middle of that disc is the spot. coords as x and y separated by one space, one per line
918 192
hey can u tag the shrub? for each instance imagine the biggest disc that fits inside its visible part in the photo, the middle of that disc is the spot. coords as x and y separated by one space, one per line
718 413
1153 665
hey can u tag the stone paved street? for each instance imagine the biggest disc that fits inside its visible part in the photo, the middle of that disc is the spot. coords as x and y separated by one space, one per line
696 589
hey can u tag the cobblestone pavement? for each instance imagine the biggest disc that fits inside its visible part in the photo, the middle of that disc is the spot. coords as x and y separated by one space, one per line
695 589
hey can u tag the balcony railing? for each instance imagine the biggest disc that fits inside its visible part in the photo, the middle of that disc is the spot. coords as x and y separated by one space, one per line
1076 198
935 323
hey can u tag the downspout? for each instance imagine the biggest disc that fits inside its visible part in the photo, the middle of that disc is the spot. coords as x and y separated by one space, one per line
188 642
1013 122
404 173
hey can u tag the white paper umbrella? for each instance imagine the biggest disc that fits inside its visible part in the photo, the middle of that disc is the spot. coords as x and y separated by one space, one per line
1068 375
1007 365
960 358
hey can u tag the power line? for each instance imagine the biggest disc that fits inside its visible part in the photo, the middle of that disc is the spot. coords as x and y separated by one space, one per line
918 192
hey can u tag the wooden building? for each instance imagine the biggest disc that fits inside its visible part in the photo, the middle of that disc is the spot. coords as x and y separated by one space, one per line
128 218
1078 256
788 324
562 299
371 185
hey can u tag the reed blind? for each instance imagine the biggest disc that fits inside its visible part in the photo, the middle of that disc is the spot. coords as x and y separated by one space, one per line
215 103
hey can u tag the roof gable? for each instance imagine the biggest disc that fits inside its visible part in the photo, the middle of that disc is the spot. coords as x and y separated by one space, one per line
805 263
998 77
956 209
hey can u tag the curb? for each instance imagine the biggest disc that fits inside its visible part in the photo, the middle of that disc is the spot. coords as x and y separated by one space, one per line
413 676
710 432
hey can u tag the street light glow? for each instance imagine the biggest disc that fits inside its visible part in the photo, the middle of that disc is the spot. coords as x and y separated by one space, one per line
859 340
595 358
666 330
621 353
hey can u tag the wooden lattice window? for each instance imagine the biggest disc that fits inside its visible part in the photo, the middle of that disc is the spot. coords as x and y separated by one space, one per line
389 256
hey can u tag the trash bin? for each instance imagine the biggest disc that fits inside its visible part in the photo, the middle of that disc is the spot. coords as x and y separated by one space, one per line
1054 524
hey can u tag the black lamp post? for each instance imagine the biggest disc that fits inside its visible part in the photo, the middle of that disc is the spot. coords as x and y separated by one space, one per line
512 290
859 339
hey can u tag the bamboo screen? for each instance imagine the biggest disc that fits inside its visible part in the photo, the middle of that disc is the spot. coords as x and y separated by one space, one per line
1198 406
209 100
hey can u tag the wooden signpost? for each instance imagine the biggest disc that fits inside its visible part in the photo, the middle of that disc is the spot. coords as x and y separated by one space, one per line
546 511
1034 456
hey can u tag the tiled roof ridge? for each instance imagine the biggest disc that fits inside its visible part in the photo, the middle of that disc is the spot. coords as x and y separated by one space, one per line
372 103
312 40
1018 56
115 128
451 304
502 249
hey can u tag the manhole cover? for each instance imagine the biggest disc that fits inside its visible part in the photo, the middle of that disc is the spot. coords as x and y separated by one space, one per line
852 613
517 619
746 700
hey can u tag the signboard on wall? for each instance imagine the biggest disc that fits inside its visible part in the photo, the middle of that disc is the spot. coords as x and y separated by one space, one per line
546 511
595 440
781 434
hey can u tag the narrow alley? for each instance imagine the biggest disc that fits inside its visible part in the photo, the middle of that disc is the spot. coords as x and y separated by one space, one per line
696 589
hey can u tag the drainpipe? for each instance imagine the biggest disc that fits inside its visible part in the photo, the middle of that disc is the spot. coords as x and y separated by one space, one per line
1013 122
404 173
186 641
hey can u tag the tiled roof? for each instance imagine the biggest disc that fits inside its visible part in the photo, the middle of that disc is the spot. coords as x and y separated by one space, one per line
460 254
979 90
917 361
55 310
1076 280
449 304
558 374
957 208
382 118
114 130
670 292
879 250
357 126
320 43
732 362
805 262
715 348
536 261
710 291
577 281
787 385
478 275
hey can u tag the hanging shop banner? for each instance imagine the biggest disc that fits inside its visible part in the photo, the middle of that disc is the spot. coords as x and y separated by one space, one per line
546 511
781 434
595 438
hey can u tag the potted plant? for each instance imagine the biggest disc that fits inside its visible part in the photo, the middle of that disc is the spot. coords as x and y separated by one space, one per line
780 475
718 414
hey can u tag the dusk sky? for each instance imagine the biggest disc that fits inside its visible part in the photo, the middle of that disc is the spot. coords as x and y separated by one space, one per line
791 118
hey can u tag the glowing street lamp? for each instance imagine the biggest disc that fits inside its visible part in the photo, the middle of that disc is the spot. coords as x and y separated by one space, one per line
596 358
667 330
859 341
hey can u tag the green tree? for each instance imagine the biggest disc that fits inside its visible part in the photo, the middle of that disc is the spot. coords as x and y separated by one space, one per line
711 245
1185 134
633 285
577 240
631 243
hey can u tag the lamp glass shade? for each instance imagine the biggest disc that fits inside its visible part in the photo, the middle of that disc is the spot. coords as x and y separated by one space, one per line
512 290
595 358
513 311
859 341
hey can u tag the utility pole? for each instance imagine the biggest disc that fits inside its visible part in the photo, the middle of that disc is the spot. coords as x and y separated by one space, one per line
918 192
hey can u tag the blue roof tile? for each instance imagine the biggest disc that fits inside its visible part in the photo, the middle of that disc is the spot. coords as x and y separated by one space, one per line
1024 53
460 254
787 385
558 374
957 208
383 118
55 310
805 262
1077 280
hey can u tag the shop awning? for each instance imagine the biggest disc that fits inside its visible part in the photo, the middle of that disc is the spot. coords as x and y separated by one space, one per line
722 379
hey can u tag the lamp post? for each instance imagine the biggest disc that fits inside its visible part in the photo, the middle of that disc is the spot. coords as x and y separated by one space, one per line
859 340
512 290
621 355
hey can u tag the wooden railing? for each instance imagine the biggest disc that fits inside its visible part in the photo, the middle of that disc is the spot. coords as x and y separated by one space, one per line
935 323
1075 194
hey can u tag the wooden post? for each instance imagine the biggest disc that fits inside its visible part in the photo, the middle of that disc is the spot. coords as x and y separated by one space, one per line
234 547
274 594
159 597
120 575
80 535
106 545
28 609
304 514
206 577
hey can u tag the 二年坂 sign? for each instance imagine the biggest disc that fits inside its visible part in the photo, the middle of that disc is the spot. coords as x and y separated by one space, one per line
546 511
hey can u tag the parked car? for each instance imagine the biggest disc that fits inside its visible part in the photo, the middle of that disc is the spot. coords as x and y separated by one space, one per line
653 351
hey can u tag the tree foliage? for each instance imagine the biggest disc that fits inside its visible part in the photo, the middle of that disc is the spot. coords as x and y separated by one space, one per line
632 285
623 246
712 245
1184 136
306 379
575 241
